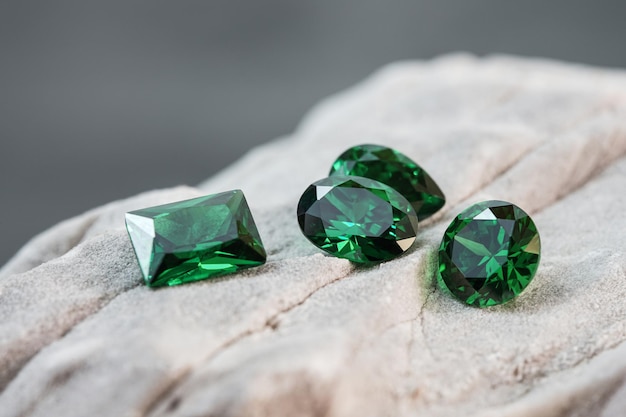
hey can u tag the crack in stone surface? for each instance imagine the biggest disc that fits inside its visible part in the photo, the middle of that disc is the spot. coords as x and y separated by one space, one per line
578 187
429 349
593 113
77 311
271 323
571 407
29 359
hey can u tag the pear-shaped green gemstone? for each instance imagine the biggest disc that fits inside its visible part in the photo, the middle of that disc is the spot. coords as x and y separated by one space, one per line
357 218
489 253
394 169
195 239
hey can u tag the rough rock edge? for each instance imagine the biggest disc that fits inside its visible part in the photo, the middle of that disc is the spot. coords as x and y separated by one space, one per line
76 228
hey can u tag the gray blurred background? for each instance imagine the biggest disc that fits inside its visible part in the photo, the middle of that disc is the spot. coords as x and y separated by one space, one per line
102 100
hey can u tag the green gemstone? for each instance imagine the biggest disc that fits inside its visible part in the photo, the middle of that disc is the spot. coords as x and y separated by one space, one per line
357 218
489 253
195 239
394 169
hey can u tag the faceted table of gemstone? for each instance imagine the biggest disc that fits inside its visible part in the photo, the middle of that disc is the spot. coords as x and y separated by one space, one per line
394 169
357 218
489 253
195 239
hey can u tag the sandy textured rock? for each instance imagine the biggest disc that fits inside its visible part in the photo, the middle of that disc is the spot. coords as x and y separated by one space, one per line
309 335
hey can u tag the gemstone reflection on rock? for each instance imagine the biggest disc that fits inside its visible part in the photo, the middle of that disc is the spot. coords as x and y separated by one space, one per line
357 218
195 239
394 169
489 253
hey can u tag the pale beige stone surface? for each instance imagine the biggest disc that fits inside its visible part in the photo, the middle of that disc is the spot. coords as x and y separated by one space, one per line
310 335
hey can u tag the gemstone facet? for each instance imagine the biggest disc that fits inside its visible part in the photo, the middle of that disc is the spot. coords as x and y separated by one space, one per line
489 253
357 218
195 239
394 169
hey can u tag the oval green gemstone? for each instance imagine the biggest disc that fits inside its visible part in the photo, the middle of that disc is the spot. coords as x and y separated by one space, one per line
489 253
394 169
357 218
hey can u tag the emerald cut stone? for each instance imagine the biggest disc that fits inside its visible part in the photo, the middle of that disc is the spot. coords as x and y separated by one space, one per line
394 169
357 218
489 253
195 239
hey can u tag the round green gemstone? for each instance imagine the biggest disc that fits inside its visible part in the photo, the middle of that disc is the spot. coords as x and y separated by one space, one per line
489 253
357 218
394 169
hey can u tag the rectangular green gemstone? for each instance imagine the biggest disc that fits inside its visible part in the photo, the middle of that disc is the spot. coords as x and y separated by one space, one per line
195 239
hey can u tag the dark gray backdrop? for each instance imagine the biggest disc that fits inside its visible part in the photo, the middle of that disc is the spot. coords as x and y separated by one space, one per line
101 100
